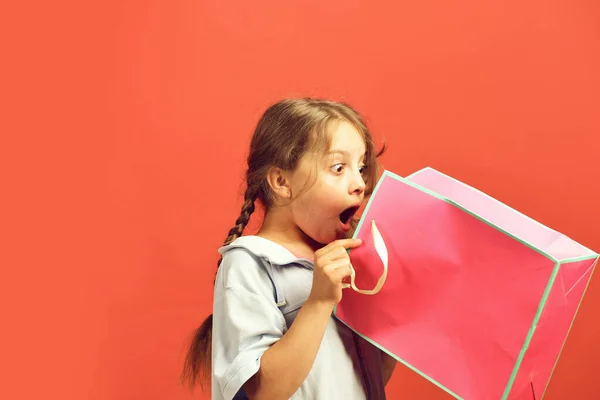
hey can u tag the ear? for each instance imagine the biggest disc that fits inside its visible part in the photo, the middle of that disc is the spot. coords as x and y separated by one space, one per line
279 183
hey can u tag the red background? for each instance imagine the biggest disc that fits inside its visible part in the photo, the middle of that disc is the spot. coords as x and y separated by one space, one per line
125 124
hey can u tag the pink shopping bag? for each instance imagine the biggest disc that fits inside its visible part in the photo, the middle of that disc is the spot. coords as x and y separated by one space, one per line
469 293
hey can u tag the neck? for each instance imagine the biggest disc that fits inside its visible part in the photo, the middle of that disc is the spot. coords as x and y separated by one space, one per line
277 227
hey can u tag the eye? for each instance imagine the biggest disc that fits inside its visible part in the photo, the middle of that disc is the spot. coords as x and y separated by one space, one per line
338 168
363 169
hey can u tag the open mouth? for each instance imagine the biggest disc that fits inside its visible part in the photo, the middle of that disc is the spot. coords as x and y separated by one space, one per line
348 213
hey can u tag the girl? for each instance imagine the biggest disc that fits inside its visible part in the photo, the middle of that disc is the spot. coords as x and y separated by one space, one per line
272 334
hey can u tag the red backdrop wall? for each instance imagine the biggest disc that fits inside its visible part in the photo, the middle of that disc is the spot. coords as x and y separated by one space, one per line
126 123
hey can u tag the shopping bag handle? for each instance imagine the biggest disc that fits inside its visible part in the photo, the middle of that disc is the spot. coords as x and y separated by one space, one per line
383 255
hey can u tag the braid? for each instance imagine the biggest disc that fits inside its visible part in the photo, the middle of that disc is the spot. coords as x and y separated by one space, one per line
240 223
197 366
243 219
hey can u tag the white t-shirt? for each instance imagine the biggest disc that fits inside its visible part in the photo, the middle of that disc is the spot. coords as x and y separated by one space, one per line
259 289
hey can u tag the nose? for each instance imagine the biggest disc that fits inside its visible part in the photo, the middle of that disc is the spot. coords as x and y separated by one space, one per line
357 185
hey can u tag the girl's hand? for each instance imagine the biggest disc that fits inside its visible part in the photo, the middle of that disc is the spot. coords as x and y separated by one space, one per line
332 265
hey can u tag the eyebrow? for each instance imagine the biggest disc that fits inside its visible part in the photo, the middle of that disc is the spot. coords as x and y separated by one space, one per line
334 151
339 151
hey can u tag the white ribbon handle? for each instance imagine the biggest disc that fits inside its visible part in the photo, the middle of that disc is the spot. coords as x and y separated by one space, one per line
383 255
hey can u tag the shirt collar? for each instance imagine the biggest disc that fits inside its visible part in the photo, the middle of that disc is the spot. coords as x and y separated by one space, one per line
267 249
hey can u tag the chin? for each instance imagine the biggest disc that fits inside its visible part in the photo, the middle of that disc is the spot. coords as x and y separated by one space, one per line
320 236
330 238
322 240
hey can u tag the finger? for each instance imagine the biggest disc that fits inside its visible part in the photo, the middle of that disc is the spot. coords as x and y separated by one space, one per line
349 243
339 253
338 244
334 265
342 272
338 271
346 243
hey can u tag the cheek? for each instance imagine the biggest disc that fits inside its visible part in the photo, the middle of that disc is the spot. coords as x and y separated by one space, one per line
321 202
316 215
310 208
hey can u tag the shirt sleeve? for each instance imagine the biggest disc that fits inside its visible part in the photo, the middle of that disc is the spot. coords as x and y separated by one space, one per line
246 320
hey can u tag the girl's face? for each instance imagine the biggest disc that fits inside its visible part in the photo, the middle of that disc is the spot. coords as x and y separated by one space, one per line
324 210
